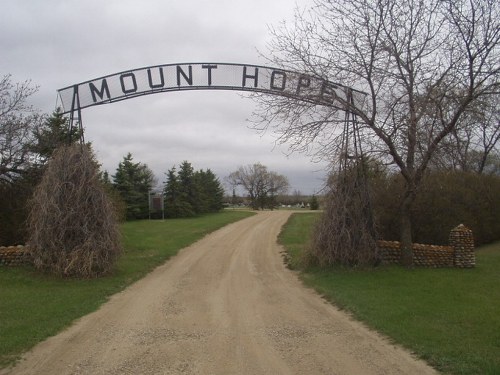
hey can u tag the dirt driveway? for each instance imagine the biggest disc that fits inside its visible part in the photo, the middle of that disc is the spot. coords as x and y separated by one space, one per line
225 305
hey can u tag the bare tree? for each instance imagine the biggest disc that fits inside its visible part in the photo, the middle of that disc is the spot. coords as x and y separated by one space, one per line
262 185
473 145
422 63
18 121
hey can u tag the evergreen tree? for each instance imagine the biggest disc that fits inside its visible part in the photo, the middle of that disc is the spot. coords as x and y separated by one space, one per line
172 193
133 181
188 190
116 199
104 178
314 203
215 191
210 191
53 133
189 193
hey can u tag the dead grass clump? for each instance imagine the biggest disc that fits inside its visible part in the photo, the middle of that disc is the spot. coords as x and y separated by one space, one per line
73 231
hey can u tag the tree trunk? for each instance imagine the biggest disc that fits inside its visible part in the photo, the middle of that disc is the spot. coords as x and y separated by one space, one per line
406 258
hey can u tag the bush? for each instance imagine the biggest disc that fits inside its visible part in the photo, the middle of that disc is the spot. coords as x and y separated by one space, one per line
444 200
14 202
345 234
13 197
72 224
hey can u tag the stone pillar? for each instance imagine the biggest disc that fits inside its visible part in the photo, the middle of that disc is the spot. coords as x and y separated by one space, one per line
463 244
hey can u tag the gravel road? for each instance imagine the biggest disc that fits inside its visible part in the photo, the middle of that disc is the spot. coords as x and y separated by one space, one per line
225 305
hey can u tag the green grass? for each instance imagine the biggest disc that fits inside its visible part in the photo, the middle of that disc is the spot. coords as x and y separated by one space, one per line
34 306
448 317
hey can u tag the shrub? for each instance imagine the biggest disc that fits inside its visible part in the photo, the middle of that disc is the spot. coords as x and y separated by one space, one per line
345 234
13 198
72 224
444 200
14 202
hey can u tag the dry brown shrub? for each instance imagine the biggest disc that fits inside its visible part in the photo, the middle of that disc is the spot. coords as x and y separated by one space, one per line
345 234
72 224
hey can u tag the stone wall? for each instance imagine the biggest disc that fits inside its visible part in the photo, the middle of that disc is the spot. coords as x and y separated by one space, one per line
13 256
459 254
423 255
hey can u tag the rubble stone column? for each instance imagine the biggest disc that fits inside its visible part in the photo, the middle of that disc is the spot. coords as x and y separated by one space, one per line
462 241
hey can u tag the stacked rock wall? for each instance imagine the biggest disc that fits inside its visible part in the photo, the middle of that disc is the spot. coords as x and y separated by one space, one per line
13 256
460 252
430 256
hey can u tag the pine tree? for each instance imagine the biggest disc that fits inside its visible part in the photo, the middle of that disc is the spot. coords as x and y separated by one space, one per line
134 181
53 133
314 203
210 191
188 190
189 193
172 194
215 191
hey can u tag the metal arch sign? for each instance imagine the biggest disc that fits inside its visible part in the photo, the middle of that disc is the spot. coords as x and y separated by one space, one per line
206 76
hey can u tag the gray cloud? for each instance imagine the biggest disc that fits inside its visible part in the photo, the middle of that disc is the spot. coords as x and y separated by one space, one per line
56 43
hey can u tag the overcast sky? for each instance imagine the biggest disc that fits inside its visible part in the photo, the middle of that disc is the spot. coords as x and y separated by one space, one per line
57 43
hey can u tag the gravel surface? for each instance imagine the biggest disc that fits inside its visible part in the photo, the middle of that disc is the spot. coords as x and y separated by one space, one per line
225 305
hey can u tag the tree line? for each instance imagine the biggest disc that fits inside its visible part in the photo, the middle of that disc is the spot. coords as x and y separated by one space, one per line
186 192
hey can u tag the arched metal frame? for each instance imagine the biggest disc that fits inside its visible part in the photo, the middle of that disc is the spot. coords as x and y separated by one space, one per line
204 76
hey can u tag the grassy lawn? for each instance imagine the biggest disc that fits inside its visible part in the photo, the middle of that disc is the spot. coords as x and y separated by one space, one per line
35 306
448 317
